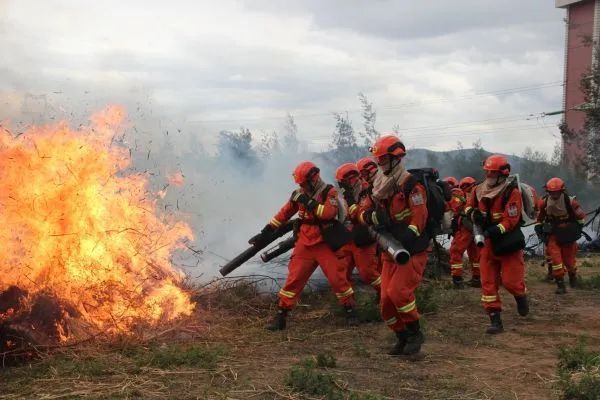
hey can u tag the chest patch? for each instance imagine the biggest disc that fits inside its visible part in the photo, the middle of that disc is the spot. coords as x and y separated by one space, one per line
513 210
417 199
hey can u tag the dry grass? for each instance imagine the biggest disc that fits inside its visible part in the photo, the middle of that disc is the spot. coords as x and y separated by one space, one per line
224 352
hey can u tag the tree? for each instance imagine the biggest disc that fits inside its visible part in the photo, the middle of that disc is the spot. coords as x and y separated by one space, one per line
235 148
290 139
344 147
269 145
370 134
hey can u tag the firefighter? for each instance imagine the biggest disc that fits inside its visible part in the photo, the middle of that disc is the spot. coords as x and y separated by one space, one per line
362 250
495 206
451 181
401 208
560 223
319 240
462 239
368 169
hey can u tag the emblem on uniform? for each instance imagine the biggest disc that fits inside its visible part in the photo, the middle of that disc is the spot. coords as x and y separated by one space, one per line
417 199
513 210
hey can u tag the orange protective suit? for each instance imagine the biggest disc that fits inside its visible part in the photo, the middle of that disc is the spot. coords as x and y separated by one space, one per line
364 258
508 269
562 257
399 282
311 251
463 238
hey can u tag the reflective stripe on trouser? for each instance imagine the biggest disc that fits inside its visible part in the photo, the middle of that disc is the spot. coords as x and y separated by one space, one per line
561 256
303 263
461 242
508 270
398 285
365 260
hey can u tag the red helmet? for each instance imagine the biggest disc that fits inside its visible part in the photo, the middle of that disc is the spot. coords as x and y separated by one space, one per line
388 144
466 182
305 171
346 170
555 185
366 163
498 163
452 181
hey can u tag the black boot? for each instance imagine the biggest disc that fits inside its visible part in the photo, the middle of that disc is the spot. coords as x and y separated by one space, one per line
573 279
457 282
279 322
522 305
351 316
560 289
398 348
475 282
495 323
414 338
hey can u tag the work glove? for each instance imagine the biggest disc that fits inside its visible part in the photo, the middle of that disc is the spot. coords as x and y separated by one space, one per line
377 217
302 198
492 232
264 237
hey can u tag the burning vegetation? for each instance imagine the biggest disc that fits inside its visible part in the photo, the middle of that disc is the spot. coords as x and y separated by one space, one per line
82 249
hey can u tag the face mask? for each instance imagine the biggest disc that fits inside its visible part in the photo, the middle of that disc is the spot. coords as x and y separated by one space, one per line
492 182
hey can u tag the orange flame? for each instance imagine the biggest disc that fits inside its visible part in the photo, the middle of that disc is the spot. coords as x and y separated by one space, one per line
74 221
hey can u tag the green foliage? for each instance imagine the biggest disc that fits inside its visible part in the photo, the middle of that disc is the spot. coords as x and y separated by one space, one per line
179 356
308 380
590 282
326 360
367 308
579 371
427 299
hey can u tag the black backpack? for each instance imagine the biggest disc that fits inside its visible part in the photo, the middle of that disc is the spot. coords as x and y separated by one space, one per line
438 194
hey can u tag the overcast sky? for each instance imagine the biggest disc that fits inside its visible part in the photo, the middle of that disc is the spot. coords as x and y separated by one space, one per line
428 65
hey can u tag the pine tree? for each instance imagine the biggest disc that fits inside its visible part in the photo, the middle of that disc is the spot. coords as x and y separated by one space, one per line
344 147
369 115
290 139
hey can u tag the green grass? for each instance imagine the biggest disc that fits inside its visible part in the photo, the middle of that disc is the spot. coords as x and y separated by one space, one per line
589 282
196 356
427 298
308 379
579 371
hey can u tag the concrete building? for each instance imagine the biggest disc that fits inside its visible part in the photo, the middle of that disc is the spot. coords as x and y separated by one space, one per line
582 30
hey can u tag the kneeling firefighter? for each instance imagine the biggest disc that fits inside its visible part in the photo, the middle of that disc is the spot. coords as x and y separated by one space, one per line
320 236
400 208
559 225
462 239
495 209
362 250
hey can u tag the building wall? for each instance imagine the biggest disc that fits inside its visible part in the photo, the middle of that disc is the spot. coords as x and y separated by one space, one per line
580 17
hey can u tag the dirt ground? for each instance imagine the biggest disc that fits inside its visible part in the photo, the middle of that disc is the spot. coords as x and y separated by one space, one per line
225 353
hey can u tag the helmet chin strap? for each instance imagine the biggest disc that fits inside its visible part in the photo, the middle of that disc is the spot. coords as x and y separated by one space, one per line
392 165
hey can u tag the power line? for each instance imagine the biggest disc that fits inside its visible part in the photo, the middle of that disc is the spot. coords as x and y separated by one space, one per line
402 105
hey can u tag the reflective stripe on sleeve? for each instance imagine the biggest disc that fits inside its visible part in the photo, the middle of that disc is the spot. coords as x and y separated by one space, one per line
275 223
320 210
414 229
403 214
352 208
502 228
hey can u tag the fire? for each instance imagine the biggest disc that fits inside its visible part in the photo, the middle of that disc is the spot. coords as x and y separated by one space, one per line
76 224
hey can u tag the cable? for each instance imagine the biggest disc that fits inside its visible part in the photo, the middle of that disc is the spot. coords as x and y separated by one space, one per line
402 105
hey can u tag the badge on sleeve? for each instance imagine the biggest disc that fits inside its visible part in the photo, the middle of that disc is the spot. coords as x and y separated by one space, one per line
417 199
513 210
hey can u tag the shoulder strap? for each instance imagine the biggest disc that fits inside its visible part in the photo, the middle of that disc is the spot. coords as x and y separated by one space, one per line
508 192
569 206
409 185
325 192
